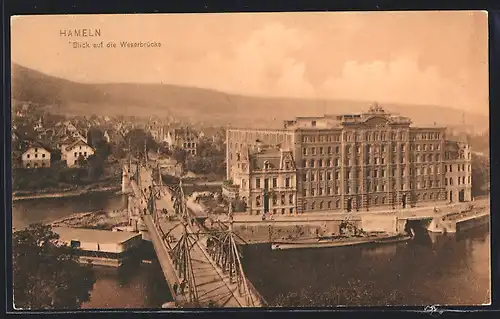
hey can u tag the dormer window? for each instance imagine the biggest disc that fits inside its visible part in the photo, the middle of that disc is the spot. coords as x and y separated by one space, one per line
266 165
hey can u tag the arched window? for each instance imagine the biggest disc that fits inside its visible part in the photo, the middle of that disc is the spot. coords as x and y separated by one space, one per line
290 199
376 200
321 205
425 196
337 203
258 201
329 204
313 206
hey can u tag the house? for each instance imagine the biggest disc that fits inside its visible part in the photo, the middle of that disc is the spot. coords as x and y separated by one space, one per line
35 156
183 138
71 153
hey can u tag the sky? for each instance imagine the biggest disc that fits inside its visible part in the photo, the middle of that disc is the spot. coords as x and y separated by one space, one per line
432 58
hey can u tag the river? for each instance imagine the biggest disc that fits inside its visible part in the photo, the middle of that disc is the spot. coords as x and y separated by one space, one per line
431 269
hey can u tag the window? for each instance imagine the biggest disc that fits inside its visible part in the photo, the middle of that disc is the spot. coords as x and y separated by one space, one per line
313 151
283 199
43 155
275 182
287 182
313 192
36 155
320 163
321 205
304 151
290 199
257 183
321 150
311 163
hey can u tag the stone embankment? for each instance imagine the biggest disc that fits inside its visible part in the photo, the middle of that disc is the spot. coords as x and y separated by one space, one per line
274 231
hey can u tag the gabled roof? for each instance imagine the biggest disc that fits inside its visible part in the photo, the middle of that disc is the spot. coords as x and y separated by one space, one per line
67 140
33 144
77 143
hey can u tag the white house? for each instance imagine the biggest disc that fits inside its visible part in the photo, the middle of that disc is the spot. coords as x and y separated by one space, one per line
71 153
35 156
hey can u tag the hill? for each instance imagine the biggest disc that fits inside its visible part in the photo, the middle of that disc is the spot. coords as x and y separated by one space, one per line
204 106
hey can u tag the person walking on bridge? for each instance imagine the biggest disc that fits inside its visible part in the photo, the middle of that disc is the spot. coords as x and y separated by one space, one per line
182 286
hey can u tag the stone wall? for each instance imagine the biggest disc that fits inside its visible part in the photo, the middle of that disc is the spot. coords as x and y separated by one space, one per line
260 232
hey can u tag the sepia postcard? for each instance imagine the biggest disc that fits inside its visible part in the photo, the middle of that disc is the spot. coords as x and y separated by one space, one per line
239 160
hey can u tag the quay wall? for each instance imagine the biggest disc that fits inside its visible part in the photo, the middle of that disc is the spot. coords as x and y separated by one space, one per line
267 231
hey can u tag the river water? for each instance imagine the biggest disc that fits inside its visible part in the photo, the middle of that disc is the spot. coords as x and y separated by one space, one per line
431 269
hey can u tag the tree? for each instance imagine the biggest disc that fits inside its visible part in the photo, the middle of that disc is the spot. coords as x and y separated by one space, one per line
81 161
137 139
180 156
47 275
95 137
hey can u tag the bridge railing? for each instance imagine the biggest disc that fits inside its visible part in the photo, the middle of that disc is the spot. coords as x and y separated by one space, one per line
256 293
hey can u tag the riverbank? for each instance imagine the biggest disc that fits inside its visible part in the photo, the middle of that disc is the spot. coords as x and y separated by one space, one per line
68 193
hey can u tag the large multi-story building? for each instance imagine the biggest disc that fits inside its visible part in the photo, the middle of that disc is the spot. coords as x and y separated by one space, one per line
373 160
183 138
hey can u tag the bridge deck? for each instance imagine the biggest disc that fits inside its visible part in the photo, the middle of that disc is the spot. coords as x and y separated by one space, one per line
211 283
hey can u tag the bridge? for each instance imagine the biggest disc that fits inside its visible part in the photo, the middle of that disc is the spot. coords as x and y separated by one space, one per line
202 267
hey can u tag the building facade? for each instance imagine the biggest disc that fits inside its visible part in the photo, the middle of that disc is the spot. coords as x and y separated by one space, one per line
71 153
35 157
183 138
355 162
